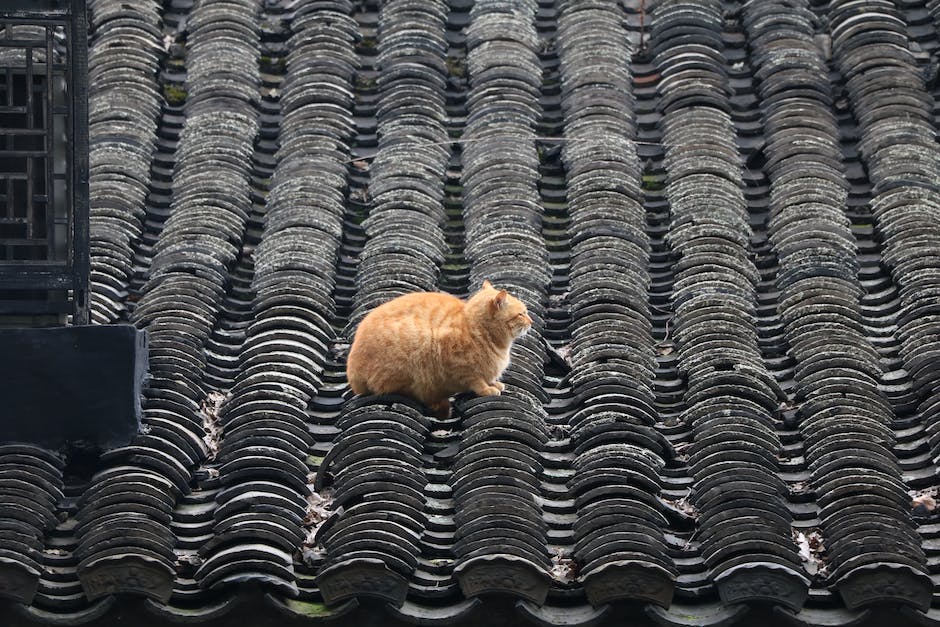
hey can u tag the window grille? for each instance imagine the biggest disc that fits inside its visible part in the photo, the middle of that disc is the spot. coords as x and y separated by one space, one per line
43 163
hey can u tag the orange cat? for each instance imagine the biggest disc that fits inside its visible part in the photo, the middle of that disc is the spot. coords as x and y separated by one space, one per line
431 345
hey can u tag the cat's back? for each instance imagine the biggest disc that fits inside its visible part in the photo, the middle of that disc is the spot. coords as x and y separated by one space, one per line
418 313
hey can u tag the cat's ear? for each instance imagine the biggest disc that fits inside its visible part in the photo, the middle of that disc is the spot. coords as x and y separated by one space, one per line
487 285
499 301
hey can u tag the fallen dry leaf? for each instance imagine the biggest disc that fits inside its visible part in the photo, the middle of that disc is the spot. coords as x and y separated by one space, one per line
319 508
810 550
799 487
683 506
210 422
564 568
191 559
924 502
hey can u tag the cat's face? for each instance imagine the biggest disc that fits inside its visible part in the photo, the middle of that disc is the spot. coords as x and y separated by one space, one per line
519 322
509 311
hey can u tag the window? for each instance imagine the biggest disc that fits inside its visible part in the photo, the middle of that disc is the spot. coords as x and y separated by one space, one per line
43 163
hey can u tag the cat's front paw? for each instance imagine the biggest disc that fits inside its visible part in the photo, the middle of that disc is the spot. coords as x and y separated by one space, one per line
491 390
482 388
499 386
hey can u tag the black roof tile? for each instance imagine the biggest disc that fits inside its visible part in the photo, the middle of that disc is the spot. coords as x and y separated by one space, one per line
721 215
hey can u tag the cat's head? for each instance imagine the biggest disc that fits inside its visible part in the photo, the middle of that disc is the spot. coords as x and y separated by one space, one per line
506 311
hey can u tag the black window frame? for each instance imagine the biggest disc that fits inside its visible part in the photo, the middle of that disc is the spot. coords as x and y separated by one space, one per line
71 275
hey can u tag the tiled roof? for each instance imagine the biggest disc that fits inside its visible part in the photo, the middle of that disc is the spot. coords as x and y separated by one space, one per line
723 217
